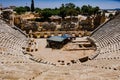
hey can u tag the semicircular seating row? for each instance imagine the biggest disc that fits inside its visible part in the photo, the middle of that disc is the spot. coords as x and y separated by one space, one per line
107 40
14 64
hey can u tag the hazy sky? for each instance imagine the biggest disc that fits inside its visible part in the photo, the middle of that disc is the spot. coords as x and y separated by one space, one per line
103 4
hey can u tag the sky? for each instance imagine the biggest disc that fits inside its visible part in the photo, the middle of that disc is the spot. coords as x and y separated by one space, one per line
103 4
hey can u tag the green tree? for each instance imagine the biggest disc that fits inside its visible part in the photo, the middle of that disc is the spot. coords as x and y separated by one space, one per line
70 5
38 10
69 9
20 10
84 9
27 8
46 13
89 10
96 10
62 11
32 5
78 10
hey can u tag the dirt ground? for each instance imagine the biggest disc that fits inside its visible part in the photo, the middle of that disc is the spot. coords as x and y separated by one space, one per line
53 55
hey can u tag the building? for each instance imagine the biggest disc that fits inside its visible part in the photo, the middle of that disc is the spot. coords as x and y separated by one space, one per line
58 41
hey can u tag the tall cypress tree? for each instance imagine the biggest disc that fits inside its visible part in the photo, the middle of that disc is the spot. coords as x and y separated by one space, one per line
32 5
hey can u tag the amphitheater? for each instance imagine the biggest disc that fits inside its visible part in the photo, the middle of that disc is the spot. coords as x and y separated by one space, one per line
103 64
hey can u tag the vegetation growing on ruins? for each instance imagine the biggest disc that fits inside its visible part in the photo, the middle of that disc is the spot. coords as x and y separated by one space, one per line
68 9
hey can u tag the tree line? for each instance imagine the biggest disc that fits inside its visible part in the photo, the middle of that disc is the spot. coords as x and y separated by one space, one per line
68 9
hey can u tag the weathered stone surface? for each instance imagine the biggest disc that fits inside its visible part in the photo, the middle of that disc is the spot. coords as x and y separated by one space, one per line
44 64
